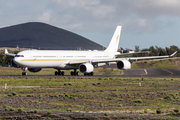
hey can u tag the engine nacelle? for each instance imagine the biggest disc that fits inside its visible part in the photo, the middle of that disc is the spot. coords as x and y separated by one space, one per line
124 64
86 68
14 65
34 69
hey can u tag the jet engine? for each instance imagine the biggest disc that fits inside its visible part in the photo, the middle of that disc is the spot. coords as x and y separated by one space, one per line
14 65
123 64
34 69
86 68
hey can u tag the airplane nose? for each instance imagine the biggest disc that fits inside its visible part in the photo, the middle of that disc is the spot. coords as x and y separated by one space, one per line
15 60
14 63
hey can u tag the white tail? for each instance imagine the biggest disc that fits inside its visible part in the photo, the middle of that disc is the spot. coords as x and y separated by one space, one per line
113 45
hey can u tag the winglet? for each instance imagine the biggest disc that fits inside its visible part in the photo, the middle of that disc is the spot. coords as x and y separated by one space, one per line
173 54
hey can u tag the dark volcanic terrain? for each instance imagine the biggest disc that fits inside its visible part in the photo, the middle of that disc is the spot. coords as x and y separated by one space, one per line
40 35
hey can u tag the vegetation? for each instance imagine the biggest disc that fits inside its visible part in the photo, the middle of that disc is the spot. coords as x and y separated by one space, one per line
107 95
158 64
6 59
158 51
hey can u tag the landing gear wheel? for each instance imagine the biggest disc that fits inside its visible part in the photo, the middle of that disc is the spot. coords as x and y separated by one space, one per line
77 73
74 73
59 73
89 74
62 73
56 73
24 73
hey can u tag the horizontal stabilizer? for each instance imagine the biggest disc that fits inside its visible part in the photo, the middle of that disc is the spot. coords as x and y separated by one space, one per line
9 54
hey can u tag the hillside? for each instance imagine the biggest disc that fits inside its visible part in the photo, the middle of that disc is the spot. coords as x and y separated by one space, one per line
40 35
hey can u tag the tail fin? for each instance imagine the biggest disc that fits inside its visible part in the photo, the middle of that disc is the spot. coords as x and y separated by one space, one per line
113 45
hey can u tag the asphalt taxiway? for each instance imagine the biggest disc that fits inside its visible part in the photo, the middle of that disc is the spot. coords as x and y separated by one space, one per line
127 73
152 73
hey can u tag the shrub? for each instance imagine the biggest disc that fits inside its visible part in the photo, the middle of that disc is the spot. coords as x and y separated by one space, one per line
138 101
51 96
31 111
49 113
14 93
10 95
176 110
158 111
116 89
167 97
120 105
66 95
68 110
85 106
70 84
71 97
101 90
99 78
5 106
145 111
11 109
35 111
38 96
20 110
93 84
105 114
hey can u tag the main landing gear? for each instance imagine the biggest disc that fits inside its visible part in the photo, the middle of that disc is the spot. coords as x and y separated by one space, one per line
89 74
60 73
24 71
74 73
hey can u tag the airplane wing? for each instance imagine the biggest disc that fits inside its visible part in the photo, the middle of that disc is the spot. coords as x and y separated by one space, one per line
118 53
152 57
118 59
9 54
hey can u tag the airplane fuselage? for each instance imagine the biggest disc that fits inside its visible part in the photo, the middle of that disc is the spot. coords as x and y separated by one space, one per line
57 58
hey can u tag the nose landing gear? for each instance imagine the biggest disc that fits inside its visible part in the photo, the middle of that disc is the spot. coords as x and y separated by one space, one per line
24 71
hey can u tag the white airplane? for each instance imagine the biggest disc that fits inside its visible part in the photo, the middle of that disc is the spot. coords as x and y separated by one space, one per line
85 61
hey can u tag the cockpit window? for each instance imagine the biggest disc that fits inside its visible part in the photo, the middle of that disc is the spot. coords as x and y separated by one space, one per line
19 55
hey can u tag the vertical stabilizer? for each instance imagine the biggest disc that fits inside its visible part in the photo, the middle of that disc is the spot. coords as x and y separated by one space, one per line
114 43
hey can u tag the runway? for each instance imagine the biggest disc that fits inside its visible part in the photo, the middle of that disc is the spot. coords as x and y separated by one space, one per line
152 73
175 73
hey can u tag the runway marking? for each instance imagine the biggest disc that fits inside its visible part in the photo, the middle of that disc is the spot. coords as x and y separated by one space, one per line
145 71
168 71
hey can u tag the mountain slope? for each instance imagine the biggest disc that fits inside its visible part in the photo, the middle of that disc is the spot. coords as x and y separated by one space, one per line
40 35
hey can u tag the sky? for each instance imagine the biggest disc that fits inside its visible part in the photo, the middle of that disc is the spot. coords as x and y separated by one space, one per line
144 23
